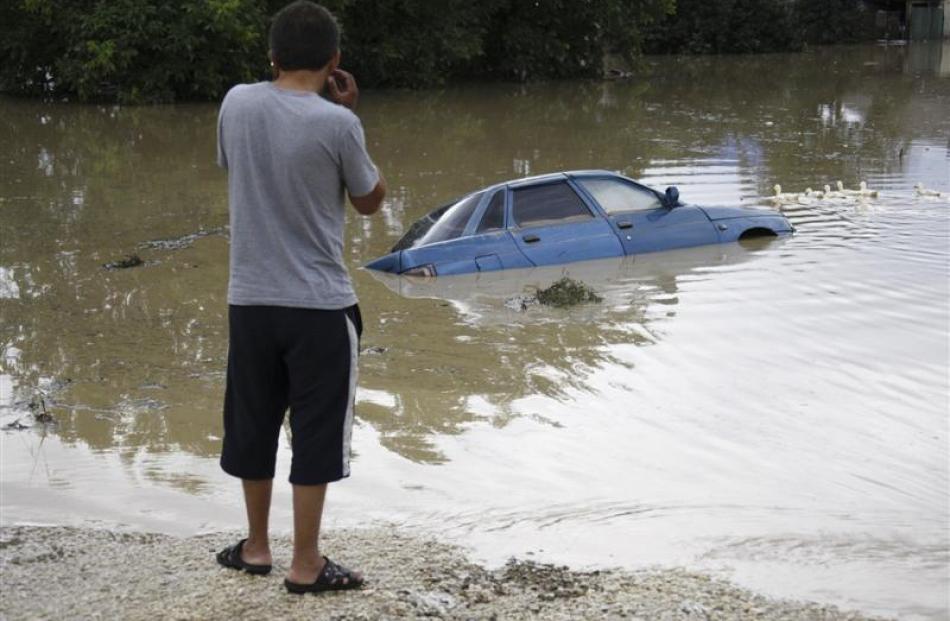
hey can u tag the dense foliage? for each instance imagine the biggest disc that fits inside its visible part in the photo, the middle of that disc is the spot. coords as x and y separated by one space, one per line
750 26
130 50
153 50
702 27
566 38
834 21
411 42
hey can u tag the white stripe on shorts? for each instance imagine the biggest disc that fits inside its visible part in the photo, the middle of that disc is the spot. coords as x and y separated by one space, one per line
351 398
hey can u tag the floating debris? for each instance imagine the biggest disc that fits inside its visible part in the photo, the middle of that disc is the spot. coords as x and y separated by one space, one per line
16 426
141 404
520 303
617 74
185 241
374 349
40 414
131 260
567 292
45 417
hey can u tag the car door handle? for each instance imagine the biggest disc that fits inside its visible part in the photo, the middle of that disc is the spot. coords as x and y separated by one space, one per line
530 239
625 225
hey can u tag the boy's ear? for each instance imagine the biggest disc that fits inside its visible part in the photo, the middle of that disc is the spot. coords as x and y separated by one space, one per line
335 61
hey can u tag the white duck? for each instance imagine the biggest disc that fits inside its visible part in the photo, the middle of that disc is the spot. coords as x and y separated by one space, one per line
861 192
781 198
808 197
842 190
864 191
829 194
920 190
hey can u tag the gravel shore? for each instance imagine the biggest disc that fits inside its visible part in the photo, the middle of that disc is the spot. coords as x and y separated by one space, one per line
69 573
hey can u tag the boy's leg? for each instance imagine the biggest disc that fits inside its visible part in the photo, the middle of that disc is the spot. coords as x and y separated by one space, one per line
308 511
322 368
257 495
254 404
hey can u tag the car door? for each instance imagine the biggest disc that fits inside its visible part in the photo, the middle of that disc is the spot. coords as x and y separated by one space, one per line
642 221
469 237
551 224
494 243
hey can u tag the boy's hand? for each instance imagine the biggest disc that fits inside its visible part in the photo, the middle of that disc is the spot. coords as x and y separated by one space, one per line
342 88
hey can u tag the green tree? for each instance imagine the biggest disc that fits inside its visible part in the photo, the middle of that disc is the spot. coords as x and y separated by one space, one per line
131 50
757 26
563 38
726 26
412 42
834 21
147 50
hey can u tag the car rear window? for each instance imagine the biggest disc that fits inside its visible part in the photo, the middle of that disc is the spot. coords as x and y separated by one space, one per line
494 217
617 196
452 222
551 203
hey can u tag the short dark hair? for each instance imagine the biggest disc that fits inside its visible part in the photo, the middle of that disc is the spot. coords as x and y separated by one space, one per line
303 35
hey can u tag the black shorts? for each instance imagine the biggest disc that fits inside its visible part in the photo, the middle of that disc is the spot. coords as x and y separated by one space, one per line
298 358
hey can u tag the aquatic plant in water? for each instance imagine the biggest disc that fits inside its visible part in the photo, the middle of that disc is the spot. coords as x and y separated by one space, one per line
567 292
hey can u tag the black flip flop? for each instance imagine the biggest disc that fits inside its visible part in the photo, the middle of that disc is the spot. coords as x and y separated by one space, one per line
231 557
330 579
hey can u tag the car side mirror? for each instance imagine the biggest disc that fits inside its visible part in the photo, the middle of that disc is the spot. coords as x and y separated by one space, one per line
672 196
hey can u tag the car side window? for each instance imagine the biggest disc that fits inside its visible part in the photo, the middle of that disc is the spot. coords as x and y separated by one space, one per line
494 217
617 196
453 222
551 203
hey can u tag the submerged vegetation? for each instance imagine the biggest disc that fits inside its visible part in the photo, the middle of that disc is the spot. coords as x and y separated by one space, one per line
567 292
136 51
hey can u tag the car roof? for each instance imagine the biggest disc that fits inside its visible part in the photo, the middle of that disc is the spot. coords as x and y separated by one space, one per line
546 178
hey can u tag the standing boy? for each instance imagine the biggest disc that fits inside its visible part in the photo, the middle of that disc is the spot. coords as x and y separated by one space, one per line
294 323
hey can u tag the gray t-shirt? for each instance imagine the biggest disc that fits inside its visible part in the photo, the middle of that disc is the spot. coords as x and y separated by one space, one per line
290 155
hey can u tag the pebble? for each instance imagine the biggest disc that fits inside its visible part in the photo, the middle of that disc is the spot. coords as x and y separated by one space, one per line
150 576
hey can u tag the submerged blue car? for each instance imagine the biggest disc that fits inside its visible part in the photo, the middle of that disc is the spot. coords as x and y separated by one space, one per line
561 218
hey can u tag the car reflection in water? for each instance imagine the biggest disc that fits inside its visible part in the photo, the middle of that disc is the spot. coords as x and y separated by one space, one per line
437 377
490 297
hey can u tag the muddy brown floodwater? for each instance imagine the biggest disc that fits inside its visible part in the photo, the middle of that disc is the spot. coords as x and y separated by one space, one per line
776 415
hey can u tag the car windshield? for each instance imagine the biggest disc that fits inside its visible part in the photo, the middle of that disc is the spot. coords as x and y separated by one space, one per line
617 196
452 222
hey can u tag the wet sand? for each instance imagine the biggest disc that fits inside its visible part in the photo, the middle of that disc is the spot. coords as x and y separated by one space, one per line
70 573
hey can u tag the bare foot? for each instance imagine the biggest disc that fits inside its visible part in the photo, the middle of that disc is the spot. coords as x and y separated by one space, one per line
256 553
302 572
